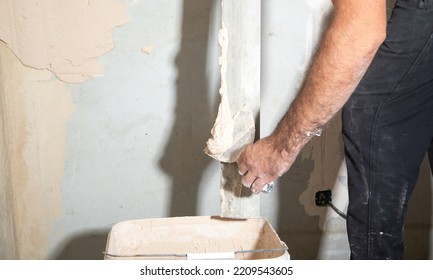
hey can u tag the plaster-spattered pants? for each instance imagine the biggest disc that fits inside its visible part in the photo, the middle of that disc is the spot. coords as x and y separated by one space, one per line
387 130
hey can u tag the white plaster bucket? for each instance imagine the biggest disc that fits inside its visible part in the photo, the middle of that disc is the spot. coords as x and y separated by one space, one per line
201 237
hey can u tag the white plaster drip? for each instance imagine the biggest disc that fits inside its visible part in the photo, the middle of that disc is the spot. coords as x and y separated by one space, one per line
222 131
231 132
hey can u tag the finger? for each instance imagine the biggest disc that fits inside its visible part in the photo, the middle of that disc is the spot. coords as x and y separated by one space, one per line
258 185
242 173
242 168
248 179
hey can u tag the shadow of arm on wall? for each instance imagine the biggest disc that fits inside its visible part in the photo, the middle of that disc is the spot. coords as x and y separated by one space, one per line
184 160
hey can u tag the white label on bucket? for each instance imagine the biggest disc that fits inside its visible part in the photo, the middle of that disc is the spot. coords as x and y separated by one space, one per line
211 256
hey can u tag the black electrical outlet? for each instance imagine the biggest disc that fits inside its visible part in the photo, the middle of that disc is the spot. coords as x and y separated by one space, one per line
323 198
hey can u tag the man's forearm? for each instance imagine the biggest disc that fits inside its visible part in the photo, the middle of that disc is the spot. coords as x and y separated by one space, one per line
345 53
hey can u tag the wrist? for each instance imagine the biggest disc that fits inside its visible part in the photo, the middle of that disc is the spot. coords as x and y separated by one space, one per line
288 142
290 137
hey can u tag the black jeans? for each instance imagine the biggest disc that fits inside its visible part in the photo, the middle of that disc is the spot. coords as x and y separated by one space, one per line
387 130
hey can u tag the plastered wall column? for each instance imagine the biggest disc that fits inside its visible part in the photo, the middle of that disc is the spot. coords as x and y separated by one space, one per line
35 107
7 237
44 45
240 88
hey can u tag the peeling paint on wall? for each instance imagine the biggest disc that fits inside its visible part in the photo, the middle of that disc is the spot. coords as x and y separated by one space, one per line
36 108
62 36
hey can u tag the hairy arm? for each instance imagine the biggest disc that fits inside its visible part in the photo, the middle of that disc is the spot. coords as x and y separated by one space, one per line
345 52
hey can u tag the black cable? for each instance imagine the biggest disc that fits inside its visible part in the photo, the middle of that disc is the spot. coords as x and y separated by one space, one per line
344 216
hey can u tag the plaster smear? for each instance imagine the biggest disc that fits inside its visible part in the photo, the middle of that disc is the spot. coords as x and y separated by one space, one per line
231 132
65 37
36 108
329 173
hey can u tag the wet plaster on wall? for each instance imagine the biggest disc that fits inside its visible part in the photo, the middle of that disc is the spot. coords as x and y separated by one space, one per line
65 37
36 107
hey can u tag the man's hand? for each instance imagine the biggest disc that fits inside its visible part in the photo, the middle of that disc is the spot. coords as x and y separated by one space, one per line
346 50
263 162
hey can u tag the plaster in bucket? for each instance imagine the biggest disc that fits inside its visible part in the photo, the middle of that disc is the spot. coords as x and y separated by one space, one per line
192 238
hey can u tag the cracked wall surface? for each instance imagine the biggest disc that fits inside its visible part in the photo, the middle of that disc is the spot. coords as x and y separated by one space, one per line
62 36
44 45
